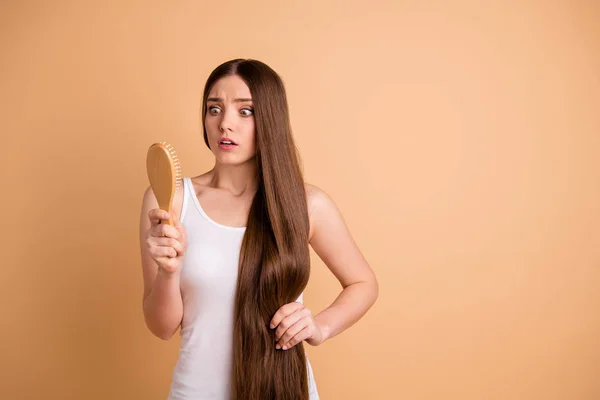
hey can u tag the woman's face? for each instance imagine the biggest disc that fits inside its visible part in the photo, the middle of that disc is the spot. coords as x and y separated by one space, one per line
230 117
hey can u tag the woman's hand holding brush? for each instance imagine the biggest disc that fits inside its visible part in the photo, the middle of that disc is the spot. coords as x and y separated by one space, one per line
167 244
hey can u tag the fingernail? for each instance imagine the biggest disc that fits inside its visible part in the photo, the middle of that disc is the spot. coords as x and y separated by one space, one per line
165 216
272 326
284 348
277 346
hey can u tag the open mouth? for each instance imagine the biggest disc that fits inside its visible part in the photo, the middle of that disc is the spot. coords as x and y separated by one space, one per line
227 142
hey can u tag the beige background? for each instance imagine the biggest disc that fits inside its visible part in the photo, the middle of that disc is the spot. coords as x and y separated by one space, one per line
460 141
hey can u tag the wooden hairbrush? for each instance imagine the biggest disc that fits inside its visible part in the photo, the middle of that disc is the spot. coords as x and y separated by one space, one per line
164 174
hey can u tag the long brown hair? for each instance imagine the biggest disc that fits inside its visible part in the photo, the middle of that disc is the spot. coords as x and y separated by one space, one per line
274 262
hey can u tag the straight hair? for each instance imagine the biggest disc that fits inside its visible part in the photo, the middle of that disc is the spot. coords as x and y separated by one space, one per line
274 264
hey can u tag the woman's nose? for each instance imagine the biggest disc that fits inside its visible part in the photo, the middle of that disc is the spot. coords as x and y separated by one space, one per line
227 122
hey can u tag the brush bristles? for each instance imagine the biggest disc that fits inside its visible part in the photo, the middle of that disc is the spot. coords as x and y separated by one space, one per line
175 158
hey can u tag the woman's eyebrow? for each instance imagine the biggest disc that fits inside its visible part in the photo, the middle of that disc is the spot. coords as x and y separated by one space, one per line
217 99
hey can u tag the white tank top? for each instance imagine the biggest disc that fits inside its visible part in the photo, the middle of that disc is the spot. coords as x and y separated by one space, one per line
208 285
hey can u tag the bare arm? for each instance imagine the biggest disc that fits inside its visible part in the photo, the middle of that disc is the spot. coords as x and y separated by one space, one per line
162 303
333 243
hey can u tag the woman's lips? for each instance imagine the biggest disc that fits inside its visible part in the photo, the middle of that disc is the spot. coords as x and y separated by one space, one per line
228 145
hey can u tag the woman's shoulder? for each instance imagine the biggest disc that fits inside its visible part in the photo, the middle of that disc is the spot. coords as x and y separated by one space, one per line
316 197
319 205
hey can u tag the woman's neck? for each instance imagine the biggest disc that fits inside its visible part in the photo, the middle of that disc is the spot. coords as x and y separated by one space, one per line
236 179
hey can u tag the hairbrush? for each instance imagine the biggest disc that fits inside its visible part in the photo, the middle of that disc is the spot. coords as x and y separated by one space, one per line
164 174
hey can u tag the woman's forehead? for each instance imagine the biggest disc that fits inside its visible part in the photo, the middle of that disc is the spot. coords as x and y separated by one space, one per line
230 87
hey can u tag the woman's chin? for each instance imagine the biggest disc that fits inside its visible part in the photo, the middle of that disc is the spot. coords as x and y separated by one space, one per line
231 159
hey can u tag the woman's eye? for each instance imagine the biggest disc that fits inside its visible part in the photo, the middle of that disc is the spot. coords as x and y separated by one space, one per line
214 110
246 111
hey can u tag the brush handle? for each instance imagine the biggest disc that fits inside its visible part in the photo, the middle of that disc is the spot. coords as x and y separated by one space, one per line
167 221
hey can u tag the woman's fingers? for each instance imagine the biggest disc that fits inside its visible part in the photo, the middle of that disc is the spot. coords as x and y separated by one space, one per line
158 229
178 247
163 251
284 311
165 230
166 243
292 331
182 232
156 215
165 246
288 322
304 334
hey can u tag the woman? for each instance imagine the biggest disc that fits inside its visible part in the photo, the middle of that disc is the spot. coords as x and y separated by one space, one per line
232 270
